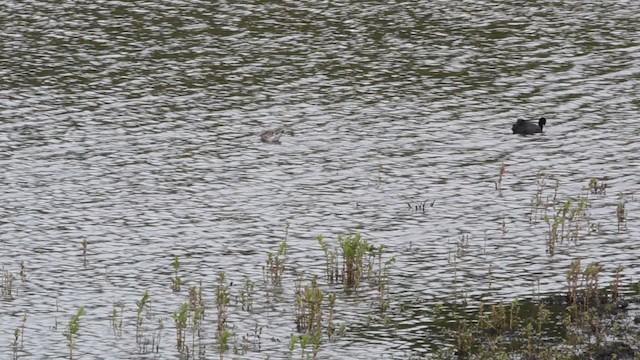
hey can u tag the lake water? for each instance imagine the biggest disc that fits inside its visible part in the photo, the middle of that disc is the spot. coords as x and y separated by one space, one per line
136 126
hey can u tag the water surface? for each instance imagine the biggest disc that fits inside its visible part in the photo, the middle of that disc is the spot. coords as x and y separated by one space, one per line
136 127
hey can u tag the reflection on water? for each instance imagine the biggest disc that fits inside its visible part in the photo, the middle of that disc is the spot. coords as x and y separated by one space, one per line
136 127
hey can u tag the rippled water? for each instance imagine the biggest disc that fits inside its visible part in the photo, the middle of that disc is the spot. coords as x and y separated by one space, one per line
135 126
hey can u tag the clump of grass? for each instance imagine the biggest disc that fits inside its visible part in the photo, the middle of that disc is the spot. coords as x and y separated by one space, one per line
293 341
615 285
591 277
330 326
195 297
597 187
180 318
567 222
573 277
222 302
538 203
157 336
246 295
73 327
223 341
330 259
196 306
175 281
6 288
309 308
358 262
384 270
353 250
254 342
275 264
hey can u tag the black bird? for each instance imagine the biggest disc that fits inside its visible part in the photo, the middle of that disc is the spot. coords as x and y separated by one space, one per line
523 127
272 136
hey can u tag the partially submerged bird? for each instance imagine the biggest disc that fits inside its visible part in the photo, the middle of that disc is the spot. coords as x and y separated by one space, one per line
523 127
272 136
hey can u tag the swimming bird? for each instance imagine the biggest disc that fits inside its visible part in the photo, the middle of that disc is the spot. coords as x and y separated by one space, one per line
523 127
272 136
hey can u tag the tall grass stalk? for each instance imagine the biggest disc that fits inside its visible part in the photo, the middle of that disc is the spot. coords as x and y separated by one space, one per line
73 327
141 306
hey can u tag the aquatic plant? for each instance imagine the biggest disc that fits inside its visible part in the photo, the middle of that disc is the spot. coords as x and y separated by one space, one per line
23 272
175 281
384 271
197 308
276 263
223 341
246 295
621 213
353 249
292 344
331 270
597 187
180 318
538 203
6 285
141 306
309 308
84 252
16 337
222 302
330 326
115 320
73 327
157 336
573 276
420 206
615 284
503 170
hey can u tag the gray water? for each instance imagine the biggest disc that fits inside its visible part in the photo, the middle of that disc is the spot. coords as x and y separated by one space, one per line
136 126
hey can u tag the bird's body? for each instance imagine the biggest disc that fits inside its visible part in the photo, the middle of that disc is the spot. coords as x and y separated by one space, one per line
523 127
272 136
